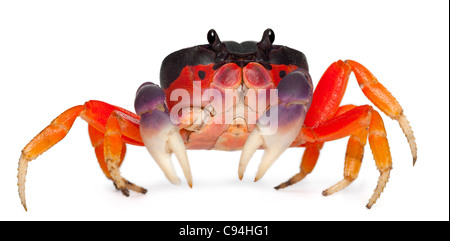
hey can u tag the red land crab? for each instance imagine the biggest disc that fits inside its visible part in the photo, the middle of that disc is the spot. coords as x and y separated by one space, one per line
236 96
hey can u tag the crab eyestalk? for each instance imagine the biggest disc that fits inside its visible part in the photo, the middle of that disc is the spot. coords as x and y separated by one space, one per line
214 41
267 40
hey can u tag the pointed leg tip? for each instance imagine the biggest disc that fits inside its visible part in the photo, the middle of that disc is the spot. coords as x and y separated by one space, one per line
338 186
414 161
327 192
125 192
24 205
133 187
293 180
281 186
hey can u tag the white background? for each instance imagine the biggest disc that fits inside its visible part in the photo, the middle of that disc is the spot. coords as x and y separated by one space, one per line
57 54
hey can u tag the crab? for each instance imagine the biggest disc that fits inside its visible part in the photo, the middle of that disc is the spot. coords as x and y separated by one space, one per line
236 96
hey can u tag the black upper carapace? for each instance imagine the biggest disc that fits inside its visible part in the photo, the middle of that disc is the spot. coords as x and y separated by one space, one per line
219 53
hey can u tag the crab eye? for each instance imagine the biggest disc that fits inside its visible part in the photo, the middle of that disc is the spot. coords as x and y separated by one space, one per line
211 36
270 34
282 73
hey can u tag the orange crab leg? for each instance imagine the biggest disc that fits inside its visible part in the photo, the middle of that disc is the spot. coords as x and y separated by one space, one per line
97 142
381 153
325 121
356 120
331 88
48 137
96 113
311 155
374 90
309 160
359 123
52 134
384 100
355 151
353 160
113 153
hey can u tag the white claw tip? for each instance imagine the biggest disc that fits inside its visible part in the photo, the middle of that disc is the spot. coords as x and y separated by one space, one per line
175 181
161 152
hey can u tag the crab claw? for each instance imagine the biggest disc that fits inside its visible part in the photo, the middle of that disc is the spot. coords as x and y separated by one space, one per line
160 136
279 126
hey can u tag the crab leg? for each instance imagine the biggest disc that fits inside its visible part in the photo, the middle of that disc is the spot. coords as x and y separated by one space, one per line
47 138
159 135
96 113
355 151
97 140
328 94
384 100
331 89
326 121
309 160
310 156
113 154
353 160
381 153
277 129
355 123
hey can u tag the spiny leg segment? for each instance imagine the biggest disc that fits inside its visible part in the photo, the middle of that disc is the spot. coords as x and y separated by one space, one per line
353 160
384 100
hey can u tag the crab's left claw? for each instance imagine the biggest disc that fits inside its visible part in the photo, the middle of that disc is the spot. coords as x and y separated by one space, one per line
279 126
160 136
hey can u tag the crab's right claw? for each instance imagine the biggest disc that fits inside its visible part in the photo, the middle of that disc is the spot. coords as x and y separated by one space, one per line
160 136
279 126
